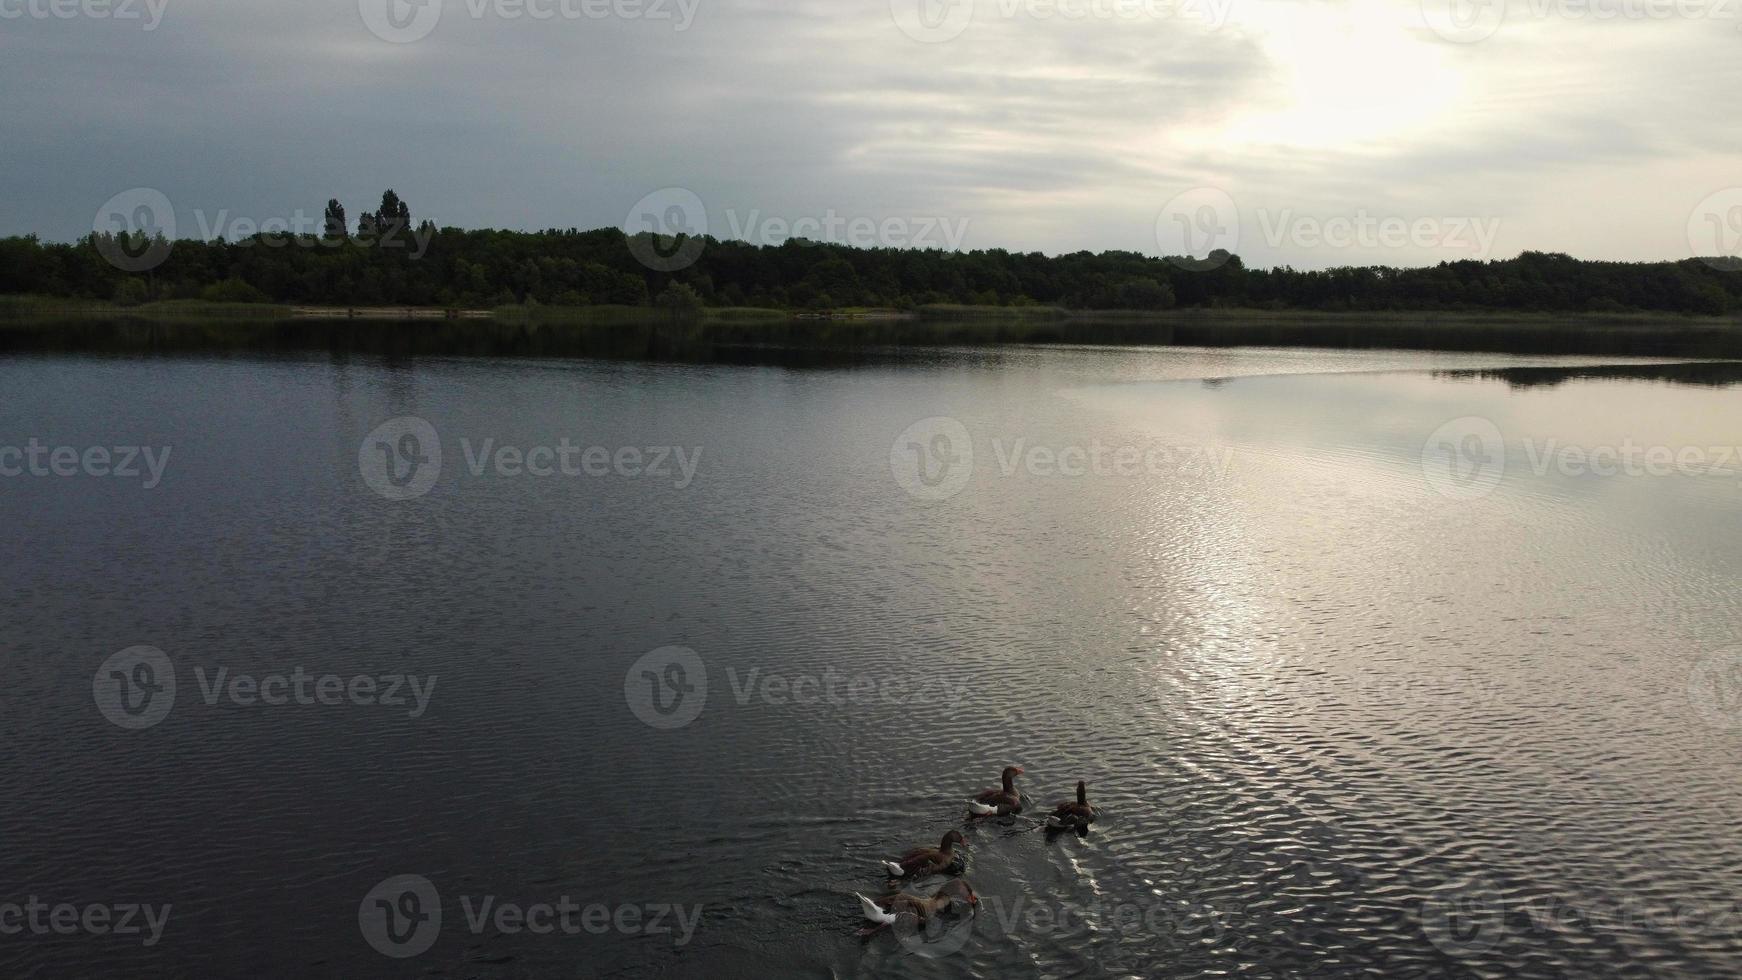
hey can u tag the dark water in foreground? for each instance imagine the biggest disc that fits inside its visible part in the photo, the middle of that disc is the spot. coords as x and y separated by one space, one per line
1349 707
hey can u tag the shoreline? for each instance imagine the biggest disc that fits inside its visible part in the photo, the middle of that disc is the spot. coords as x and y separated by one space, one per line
29 308
648 333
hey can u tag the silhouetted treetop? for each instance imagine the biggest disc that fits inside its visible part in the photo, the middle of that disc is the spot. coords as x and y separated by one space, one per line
390 262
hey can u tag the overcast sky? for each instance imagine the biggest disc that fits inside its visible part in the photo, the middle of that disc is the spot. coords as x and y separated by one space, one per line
1308 133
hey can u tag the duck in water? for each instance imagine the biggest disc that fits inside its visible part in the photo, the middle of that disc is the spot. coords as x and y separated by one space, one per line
923 861
998 802
1073 815
914 911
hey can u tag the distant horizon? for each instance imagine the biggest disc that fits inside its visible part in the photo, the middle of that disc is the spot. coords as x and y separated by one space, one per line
313 228
893 264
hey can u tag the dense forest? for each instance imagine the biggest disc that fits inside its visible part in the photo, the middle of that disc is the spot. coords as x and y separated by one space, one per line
388 260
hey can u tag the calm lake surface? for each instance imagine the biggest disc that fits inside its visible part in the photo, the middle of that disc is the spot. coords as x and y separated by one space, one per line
1350 706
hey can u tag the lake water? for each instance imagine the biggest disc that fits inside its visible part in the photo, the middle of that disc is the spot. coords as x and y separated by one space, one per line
1377 663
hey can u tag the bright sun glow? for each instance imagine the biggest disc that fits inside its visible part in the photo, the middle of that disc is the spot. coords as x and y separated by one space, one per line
1353 74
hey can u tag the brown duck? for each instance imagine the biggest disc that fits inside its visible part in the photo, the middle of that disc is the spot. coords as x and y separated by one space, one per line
1071 814
914 910
923 861
998 802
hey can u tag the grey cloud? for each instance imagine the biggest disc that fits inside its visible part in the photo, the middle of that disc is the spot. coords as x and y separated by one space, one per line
1048 135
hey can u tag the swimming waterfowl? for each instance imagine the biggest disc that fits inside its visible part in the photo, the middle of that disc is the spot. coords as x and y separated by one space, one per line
1076 814
923 861
915 910
999 801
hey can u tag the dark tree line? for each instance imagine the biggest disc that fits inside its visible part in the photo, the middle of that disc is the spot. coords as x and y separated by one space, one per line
387 260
